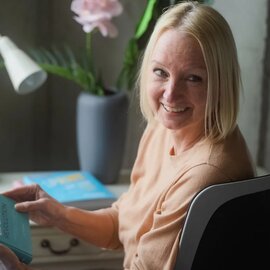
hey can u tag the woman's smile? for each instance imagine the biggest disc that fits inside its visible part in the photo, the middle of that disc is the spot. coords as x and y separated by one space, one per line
174 109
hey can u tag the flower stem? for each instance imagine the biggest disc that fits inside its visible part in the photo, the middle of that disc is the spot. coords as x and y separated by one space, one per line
96 85
89 51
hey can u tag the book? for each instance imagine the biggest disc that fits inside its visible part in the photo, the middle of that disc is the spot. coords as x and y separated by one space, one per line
15 230
75 188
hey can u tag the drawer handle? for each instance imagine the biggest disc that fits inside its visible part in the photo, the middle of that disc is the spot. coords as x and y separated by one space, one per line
72 243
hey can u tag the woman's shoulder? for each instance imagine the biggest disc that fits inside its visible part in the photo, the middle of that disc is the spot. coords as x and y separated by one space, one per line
232 156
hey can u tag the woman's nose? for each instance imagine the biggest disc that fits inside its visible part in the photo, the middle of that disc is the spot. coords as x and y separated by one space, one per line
172 91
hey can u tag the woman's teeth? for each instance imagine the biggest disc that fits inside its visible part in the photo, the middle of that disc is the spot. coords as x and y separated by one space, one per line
174 109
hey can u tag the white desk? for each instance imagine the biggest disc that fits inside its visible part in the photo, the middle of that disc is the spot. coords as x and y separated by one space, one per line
67 252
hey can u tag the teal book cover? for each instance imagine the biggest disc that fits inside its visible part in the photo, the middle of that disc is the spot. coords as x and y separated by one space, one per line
76 188
15 230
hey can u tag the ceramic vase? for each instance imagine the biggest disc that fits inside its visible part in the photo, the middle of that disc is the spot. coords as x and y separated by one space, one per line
101 134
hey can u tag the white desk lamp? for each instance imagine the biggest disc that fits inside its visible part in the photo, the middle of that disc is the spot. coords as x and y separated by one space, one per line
24 73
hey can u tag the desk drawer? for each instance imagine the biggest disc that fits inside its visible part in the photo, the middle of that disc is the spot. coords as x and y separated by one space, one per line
53 249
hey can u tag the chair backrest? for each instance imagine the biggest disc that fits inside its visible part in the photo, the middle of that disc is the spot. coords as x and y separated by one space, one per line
228 227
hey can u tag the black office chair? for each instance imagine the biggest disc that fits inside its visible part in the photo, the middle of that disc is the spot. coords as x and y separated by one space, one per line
228 227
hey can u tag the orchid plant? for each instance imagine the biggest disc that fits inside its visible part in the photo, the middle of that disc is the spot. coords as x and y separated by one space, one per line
97 15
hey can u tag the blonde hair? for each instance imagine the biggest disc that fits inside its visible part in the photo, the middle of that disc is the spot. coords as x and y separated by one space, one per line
216 40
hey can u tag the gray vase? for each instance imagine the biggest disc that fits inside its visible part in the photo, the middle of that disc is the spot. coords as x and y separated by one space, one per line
101 134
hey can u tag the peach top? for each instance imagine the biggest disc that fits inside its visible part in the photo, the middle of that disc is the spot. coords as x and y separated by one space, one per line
149 217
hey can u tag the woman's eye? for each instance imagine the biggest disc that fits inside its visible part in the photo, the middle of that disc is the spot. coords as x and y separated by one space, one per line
160 73
194 78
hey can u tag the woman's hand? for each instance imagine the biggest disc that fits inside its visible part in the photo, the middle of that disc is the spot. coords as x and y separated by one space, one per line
42 208
96 227
9 261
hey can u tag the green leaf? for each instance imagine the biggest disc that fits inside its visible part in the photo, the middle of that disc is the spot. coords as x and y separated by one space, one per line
37 56
70 56
145 19
127 75
50 57
64 64
61 59
57 70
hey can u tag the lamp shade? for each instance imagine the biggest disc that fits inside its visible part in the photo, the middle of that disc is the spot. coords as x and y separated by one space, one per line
24 73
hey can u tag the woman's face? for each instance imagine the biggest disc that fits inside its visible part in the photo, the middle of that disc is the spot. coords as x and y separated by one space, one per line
177 82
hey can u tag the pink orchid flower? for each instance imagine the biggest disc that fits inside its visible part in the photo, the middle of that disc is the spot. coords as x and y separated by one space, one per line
93 14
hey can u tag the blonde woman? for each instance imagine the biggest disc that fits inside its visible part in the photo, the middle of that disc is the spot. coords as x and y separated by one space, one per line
189 91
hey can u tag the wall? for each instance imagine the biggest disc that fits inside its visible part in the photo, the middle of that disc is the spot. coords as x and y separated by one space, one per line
247 19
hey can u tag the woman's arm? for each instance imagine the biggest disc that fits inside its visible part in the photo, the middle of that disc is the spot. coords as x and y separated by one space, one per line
97 227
